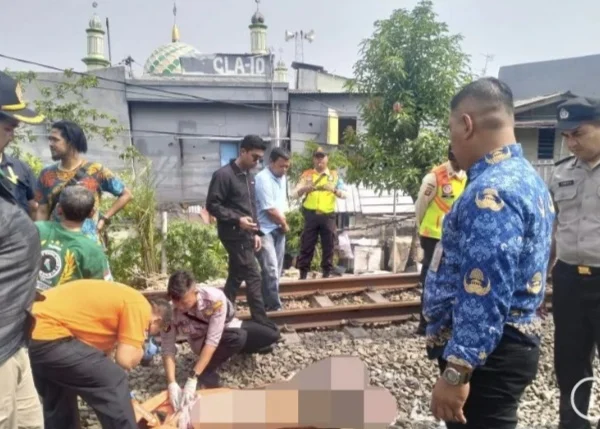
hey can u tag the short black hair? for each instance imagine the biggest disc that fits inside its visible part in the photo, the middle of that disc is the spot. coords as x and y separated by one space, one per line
490 92
76 202
277 153
179 284
253 142
73 134
165 309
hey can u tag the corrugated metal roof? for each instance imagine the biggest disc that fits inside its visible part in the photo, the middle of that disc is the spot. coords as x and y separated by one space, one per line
367 201
526 101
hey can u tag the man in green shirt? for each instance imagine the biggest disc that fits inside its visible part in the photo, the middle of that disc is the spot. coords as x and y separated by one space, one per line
67 254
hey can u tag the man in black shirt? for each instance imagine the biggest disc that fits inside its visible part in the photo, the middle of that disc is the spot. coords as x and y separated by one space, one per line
20 255
20 177
231 200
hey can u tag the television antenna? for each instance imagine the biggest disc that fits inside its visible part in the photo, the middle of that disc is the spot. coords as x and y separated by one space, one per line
300 37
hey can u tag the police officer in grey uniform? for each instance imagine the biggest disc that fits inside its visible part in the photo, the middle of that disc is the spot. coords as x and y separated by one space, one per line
575 188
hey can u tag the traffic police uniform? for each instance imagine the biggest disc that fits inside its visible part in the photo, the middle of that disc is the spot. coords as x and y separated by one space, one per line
319 216
575 187
439 190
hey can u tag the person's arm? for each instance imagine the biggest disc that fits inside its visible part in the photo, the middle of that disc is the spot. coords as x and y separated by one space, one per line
29 191
265 199
133 325
340 188
552 259
41 198
214 332
169 351
110 183
425 196
488 270
218 191
302 187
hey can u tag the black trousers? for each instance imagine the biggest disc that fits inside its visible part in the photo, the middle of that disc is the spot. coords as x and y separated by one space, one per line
67 368
428 245
244 267
576 308
317 226
497 387
249 338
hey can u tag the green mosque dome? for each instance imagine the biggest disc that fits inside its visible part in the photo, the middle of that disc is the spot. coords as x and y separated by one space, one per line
165 60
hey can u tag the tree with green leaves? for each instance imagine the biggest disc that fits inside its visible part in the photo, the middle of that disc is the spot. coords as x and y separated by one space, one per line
410 68
65 99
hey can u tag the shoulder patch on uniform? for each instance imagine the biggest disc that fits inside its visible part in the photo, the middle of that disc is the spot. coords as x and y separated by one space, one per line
561 161
217 305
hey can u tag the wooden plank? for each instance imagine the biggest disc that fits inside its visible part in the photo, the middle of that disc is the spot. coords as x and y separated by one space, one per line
374 297
321 301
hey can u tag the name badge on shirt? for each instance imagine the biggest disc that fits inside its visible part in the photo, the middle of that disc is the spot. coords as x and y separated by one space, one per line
566 183
437 257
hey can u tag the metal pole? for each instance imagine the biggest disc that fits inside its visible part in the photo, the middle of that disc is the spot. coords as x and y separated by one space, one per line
163 250
394 249
277 131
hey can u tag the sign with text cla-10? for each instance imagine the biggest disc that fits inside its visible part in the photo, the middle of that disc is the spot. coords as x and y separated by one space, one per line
227 64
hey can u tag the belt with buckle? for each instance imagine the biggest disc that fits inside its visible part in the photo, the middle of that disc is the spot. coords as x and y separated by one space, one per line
584 271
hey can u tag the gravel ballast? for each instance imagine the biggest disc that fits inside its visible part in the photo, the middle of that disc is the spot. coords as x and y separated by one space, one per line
395 357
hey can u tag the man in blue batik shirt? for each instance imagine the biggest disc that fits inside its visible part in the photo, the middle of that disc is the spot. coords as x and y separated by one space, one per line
487 276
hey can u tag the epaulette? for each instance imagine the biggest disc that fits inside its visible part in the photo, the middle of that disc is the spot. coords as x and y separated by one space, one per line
561 161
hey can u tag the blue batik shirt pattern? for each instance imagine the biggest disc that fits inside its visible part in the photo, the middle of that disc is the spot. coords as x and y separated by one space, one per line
489 268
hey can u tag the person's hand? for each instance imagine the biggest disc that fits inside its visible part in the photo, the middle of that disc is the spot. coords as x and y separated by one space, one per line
257 243
247 224
100 225
328 187
189 391
285 228
175 395
447 401
308 188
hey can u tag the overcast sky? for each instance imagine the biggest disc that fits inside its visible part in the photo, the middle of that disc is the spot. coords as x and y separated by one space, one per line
514 31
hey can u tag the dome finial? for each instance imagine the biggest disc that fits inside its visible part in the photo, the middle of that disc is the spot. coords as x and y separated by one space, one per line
175 31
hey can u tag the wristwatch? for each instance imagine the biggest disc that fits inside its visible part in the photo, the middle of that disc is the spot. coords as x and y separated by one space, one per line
193 374
454 377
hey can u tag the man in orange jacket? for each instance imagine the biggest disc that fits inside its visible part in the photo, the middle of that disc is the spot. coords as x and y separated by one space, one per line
439 190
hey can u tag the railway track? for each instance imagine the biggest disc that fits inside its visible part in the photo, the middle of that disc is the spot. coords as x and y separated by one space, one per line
324 313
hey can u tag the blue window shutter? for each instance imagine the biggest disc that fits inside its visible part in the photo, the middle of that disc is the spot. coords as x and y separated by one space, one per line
228 151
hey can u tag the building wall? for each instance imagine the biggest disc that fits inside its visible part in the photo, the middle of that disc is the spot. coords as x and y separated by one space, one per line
309 115
109 97
183 167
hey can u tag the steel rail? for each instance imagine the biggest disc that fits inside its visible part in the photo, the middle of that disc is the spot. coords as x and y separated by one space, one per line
346 284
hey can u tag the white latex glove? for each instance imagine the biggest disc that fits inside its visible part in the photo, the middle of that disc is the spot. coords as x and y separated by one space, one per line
189 391
175 395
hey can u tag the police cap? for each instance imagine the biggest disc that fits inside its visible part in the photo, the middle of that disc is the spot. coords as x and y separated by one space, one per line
573 113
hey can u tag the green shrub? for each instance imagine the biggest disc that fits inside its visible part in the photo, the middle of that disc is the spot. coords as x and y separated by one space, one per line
195 247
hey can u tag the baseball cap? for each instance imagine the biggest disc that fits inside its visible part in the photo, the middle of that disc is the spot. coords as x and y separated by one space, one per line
319 152
576 111
12 104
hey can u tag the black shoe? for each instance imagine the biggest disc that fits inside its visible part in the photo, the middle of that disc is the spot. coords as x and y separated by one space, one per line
326 274
265 350
303 274
421 330
211 380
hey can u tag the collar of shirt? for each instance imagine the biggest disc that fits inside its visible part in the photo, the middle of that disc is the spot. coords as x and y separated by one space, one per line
279 180
577 163
497 156
236 169
5 160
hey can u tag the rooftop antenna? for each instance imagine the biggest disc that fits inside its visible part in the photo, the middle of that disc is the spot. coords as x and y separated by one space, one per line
488 58
175 32
300 37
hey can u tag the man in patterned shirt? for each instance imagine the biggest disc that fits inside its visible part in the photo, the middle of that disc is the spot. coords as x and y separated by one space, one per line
67 144
487 276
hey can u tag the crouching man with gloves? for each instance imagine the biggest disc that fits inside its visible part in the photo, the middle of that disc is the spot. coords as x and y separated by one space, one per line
207 318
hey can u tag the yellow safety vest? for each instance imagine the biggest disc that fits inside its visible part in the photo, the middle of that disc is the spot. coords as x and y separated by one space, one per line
447 191
320 200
